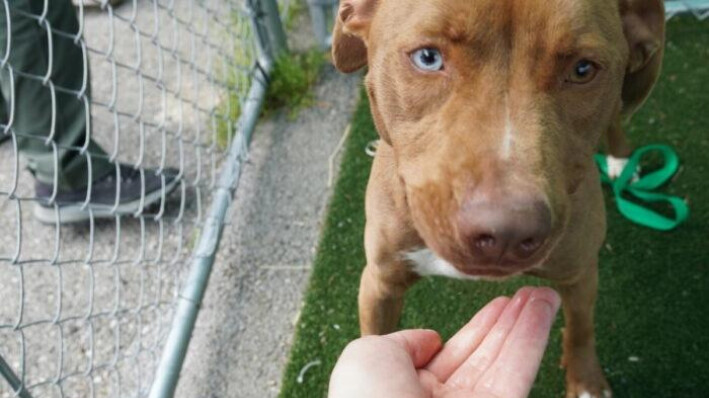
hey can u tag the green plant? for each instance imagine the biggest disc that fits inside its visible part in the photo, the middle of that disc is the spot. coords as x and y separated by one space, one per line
294 9
291 81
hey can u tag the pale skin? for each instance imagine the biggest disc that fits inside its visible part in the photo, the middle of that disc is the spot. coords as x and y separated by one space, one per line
497 354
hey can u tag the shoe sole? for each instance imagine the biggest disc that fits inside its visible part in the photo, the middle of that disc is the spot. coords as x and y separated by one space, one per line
74 213
94 3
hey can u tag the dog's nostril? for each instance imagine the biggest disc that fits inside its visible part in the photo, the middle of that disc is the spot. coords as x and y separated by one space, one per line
485 241
528 246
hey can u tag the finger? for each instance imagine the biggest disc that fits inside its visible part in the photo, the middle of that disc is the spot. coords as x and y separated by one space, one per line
517 364
420 344
464 343
429 382
379 366
470 371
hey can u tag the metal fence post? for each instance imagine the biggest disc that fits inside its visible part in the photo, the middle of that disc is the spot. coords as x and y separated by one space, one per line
269 28
319 14
271 41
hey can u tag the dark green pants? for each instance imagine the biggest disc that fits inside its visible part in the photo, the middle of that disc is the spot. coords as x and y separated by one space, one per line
26 95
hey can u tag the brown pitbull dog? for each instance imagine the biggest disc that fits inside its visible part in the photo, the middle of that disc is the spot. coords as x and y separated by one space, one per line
489 112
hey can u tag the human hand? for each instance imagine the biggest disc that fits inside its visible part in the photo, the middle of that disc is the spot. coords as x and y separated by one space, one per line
497 354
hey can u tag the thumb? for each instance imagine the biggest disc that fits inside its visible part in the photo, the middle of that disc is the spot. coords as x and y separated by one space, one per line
420 344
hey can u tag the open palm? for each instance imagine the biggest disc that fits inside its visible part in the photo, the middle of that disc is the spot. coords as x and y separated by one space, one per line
497 354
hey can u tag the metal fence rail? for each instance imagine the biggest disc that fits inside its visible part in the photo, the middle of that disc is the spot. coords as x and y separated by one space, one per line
86 309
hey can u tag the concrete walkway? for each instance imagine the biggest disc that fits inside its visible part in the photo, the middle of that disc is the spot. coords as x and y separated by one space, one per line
245 329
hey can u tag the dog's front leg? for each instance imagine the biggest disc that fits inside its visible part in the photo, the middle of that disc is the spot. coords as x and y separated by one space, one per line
618 145
584 377
381 296
389 234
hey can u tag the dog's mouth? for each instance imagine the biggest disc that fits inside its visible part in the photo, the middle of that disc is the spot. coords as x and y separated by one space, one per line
502 267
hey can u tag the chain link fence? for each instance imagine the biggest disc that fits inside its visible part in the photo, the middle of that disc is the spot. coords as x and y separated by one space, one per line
133 117
162 97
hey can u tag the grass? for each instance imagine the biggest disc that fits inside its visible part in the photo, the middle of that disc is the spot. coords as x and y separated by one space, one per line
654 286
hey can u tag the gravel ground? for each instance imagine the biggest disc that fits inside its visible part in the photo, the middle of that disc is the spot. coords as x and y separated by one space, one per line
94 318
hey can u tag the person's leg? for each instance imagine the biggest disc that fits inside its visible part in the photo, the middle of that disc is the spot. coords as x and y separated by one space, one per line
115 189
31 99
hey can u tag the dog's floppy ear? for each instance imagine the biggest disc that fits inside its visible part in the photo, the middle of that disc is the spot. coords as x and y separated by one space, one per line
644 28
349 51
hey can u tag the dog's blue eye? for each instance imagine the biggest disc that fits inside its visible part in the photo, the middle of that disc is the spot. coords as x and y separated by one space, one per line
428 59
584 71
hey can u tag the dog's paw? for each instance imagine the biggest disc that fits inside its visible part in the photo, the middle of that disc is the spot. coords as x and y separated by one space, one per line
595 387
586 394
615 166
585 379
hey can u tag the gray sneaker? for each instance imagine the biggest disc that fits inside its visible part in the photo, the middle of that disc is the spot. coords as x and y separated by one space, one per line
134 193
96 3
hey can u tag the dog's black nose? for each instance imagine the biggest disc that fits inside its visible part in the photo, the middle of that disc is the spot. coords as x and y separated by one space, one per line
504 230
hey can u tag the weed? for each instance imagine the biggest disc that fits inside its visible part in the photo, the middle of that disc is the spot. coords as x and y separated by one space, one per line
295 8
291 81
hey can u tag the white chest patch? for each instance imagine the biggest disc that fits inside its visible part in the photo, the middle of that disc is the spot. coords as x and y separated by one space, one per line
426 263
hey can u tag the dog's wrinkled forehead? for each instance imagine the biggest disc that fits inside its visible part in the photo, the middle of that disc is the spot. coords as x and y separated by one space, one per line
490 26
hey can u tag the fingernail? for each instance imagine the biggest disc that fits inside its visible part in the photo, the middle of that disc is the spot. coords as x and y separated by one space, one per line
548 306
550 296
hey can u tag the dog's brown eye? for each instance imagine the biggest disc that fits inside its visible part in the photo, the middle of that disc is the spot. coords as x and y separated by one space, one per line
583 72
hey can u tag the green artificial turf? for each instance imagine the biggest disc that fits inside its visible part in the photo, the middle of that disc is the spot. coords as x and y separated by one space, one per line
654 286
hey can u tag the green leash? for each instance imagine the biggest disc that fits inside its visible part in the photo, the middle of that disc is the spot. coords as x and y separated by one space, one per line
643 189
